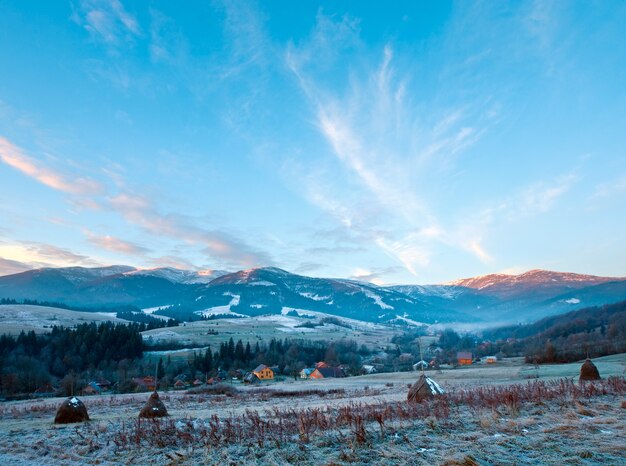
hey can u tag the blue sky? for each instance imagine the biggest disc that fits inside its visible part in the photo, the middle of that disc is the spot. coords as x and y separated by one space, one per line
402 142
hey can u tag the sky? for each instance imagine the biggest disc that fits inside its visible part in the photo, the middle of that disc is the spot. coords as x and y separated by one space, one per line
391 142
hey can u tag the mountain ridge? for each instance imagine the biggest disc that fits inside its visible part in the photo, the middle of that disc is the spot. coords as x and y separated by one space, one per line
185 293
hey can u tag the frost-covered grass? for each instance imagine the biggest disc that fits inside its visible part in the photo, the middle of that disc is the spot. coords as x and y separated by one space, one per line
491 415
266 327
538 422
17 317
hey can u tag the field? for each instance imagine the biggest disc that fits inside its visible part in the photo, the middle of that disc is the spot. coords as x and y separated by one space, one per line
17 317
490 416
199 334
264 328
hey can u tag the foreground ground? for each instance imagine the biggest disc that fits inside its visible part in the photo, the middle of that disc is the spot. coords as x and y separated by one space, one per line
360 420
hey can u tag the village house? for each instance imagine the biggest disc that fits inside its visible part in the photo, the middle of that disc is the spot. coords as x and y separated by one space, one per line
368 369
145 383
45 391
263 372
92 388
464 358
213 380
326 372
250 378
419 365
104 384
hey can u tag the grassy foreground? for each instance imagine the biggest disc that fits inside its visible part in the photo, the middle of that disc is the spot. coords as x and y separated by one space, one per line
552 420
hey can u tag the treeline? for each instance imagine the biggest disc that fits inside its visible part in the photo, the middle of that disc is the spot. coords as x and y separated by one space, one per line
590 332
185 313
34 302
290 355
150 321
30 360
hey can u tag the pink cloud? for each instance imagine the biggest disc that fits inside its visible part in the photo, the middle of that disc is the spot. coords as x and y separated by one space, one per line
217 244
14 157
9 267
114 244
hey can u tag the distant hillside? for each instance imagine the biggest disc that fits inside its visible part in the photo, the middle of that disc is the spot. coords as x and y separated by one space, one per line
270 290
80 286
186 294
15 318
533 282
593 332
521 298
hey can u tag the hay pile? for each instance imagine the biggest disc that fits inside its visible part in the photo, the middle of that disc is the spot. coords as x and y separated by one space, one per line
71 410
154 407
588 371
424 388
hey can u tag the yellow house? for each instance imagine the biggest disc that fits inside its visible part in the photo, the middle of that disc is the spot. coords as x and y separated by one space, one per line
263 372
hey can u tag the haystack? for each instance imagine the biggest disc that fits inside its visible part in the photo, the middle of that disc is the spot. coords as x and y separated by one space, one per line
71 410
154 407
588 371
424 388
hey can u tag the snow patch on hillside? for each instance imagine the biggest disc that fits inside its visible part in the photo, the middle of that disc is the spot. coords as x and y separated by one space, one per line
286 323
234 301
406 319
223 310
261 283
377 299
353 323
219 311
313 296
152 310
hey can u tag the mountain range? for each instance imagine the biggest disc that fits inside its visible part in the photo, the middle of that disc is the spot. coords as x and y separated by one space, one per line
184 293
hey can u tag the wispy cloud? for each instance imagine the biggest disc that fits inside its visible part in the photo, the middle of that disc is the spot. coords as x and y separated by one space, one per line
610 190
308 267
111 243
36 169
55 254
375 130
375 276
107 21
8 266
214 243
246 37
332 250
175 262
33 254
540 197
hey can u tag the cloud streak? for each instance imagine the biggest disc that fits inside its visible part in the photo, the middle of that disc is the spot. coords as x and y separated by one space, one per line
113 244
214 243
14 157
9 267
30 255
386 146
107 21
